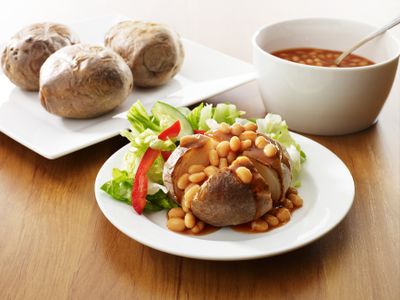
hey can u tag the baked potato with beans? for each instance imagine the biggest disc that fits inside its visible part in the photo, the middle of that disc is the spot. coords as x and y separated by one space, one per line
27 50
224 187
84 81
153 52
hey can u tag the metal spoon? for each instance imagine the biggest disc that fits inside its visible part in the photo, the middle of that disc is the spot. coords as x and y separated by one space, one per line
369 37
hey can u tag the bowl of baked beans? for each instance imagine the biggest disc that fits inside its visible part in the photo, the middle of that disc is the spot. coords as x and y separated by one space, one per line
299 79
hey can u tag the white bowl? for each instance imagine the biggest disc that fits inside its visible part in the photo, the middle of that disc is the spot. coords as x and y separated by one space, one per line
322 100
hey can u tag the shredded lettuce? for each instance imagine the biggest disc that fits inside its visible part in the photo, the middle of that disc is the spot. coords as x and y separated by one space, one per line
140 120
120 188
194 116
205 114
222 112
276 128
226 113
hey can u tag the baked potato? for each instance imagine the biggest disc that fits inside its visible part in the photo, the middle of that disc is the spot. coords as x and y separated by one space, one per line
238 186
84 81
153 52
27 50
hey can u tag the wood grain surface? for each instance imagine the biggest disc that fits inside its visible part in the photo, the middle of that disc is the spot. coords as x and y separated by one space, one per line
56 244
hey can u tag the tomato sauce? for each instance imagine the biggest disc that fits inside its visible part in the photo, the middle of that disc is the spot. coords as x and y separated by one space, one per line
321 58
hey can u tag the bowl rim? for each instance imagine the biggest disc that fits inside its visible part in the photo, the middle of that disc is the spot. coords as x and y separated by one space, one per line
257 47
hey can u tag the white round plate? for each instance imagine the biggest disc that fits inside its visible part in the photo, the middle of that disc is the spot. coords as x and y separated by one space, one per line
328 193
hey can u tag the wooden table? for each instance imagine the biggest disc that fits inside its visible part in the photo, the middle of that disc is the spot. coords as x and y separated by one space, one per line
56 244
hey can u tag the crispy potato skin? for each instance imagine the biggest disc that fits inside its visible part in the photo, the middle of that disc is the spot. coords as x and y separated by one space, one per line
84 81
27 50
153 52
224 200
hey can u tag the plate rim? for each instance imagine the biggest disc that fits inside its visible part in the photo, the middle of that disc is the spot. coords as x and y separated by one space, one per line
232 257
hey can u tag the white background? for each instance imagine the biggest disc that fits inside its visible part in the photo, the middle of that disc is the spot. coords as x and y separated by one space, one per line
226 25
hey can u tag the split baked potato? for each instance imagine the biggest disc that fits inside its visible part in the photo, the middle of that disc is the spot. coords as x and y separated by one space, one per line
237 186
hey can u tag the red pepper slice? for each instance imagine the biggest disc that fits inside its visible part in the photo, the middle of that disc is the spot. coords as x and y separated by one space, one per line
139 189
171 131
166 154
198 131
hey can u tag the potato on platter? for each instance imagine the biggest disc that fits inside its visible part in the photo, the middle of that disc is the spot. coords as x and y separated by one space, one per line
84 81
153 51
27 50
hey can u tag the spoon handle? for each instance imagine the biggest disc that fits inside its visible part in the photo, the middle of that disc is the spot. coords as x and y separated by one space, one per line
371 36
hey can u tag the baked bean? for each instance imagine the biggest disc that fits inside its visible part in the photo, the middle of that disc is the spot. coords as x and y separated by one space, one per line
287 203
176 224
259 225
190 194
283 214
176 212
234 143
295 58
248 135
271 220
189 186
223 163
183 181
292 190
198 227
195 168
210 171
261 142
213 157
270 150
244 145
223 149
231 156
190 220
250 126
214 143
225 128
237 129
197 177
242 160
186 140
296 199
244 174
186 205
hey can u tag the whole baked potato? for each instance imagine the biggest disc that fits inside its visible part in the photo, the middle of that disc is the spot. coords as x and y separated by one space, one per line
84 81
27 50
221 186
153 52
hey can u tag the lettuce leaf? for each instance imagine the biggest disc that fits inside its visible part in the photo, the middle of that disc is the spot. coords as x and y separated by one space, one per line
120 188
276 128
140 120
194 116
225 112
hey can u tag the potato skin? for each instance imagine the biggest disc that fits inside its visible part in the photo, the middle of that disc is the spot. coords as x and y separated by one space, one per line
153 52
27 50
224 200
84 81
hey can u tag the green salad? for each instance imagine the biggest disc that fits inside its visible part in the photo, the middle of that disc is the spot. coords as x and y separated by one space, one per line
148 131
